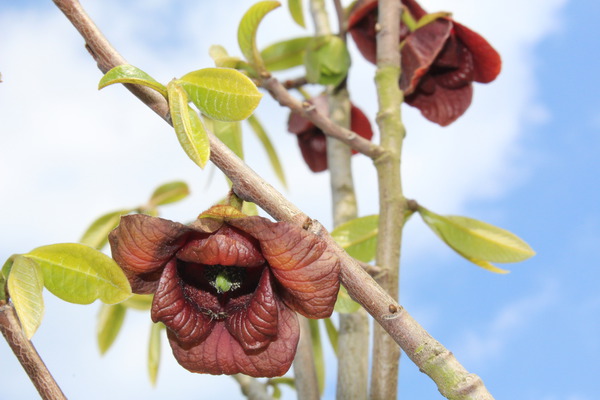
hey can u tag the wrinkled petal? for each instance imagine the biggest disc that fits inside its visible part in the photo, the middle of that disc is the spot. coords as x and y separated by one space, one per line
486 60
142 245
173 308
444 106
420 51
221 353
226 246
463 73
255 326
361 25
301 263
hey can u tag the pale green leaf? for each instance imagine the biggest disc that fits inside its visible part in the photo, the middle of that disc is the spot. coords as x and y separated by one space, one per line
223 60
476 239
169 193
230 133
485 264
126 73
25 286
327 60
359 237
250 208
81 274
318 358
261 134
344 303
110 321
4 272
189 128
286 54
223 94
154 345
295 7
248 28
96 235
140 302
332 334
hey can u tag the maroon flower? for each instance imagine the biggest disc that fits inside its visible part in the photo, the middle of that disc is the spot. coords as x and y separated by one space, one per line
312 140
227 286
440 60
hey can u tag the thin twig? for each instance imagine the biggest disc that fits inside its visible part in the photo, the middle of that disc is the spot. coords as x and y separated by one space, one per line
428 354
27 355
307 385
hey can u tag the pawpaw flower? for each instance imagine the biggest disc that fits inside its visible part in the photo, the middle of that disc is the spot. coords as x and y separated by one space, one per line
440 60
228 286
312 140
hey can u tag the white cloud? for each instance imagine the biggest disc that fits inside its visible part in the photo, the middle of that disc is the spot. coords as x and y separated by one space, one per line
69 153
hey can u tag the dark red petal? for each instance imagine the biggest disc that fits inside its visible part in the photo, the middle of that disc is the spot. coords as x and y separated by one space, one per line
221 353
301 263
460 76
313 146
298 124
361 25
142 245
415 9
486 60
444 106
255 327
227 246
420 50
173 308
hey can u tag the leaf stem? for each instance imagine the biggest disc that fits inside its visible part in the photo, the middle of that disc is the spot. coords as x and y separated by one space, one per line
392 204
429 355
27 355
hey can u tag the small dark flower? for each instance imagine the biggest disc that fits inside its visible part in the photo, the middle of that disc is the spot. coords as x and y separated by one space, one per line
312 140
440 60
227 286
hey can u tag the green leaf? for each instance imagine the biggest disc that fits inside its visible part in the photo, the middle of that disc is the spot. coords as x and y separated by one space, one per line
248 28
190 131
359 237
25 286
80 274
154 345
295 7
230 133
261 134
344 303
477 241
286 54
223 94
96 235
249 208
110 321
327 60
4 272
140 302
169 193
126 73
319 360
332 334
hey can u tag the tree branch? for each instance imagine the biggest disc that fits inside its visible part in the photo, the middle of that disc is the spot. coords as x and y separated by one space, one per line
307 385
429 355
252 388
27 355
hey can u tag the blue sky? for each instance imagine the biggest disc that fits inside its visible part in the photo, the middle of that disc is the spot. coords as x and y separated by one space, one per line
524 157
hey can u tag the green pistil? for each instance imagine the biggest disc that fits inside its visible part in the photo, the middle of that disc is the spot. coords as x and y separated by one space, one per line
224 278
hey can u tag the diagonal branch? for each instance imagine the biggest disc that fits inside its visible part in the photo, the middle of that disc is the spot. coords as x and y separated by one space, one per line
453 380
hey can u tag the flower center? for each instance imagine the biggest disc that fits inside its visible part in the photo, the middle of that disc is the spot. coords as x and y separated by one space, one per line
224 278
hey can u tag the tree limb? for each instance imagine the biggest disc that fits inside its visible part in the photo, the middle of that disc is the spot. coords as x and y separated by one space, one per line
430 356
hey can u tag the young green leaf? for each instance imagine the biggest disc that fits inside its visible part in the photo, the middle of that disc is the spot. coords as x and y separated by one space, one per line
286 54
140 302
344 303
154 345
318 357
126 73
169 193
477 241
250 208
261 134
332 334
25 285
295 7
110 321
247 31
96 235
327 60
189 128
4 272
358 237
80 274
223 94
230 133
